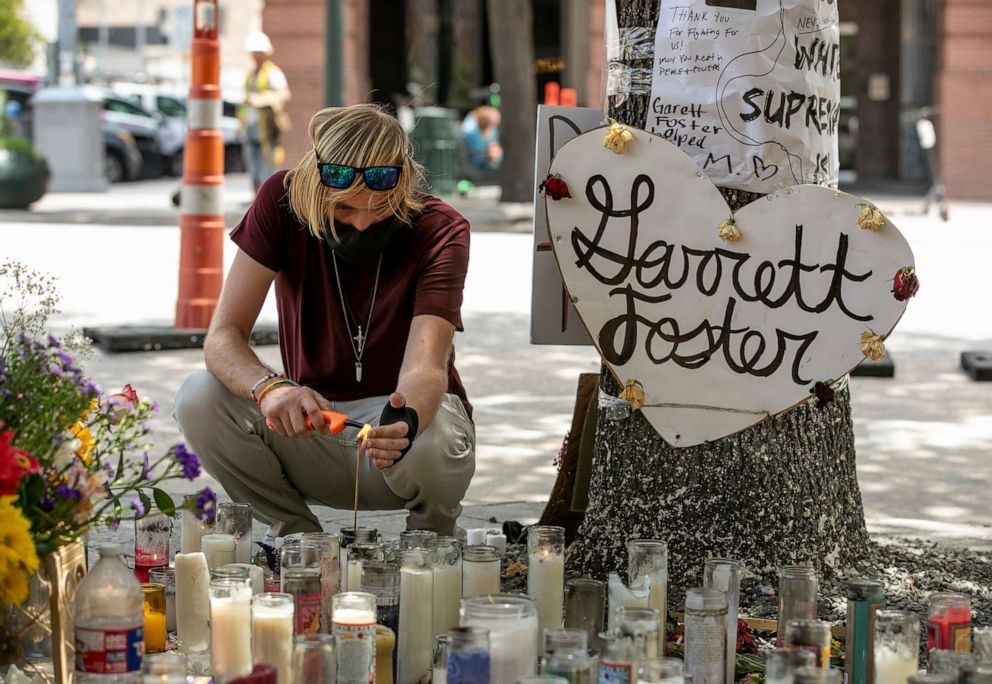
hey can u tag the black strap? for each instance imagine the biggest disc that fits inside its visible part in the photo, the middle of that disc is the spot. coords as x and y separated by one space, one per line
406 415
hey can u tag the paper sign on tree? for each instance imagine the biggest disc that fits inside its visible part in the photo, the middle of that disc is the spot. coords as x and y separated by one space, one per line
723 319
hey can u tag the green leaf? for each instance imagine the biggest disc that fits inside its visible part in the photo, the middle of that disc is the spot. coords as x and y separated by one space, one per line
164 502
145 501
120 469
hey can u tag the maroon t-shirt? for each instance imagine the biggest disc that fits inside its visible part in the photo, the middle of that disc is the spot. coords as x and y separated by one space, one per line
423 272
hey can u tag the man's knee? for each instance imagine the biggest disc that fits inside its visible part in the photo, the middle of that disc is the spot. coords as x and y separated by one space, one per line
199 401
442 458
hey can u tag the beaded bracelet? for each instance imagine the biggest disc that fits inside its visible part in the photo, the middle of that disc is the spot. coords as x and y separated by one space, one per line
276 383
254 388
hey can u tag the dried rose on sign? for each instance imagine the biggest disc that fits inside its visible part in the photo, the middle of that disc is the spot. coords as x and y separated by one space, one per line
554 187
872 346
824 394
905 284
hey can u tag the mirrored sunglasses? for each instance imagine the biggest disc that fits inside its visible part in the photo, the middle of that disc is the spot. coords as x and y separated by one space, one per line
341 176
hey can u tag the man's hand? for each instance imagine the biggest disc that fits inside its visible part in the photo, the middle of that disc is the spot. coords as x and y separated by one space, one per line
286 408
389 442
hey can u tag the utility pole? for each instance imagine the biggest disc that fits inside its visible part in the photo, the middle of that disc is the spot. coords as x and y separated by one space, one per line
201 252
334 54
67 43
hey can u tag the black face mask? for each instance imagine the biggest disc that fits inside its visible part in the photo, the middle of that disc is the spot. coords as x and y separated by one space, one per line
360 246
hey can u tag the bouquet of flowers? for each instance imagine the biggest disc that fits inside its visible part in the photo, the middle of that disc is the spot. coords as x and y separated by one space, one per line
70 456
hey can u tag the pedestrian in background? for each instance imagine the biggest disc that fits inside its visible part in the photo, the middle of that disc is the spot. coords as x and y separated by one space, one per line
480 133
263 115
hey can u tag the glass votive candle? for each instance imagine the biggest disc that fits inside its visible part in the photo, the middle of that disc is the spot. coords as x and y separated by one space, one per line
353 628
810 635
513 628
300 554
155 631
382 580
272 631
164 668
648 559
705 635
303 584
439 660
982 645
414 639
546 574
166 576
416 539
931 678
447 558
897 645
575 668
643 624
585 608
724 574
314 660
975 675
817 675
782 663
357 555
864 598
565 640
949 662
949 622
234 518
329 550
219 549
193 528
230 629
661 671
230 571
151 544
480 571
468 656
797 587
385 649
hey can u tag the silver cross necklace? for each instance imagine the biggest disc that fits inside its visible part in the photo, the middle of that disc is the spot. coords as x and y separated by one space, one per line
357 341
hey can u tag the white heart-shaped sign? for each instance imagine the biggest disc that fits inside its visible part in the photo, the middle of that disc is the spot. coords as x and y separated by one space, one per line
719 333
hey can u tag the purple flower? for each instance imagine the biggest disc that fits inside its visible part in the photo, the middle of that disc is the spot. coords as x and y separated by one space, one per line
54 342
137 507
188 460
206 505
68 492
114 523
46 503
56 369
66 360
145 468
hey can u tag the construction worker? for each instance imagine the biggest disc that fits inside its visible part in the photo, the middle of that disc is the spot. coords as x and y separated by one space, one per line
263 116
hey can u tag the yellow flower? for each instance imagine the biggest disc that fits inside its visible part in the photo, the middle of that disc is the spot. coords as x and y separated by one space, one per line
633 393
872 346
870 218
729 230
13 586
86 443
617 139
15 534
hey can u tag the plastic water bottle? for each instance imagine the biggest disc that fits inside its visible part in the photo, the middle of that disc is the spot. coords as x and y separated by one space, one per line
110 622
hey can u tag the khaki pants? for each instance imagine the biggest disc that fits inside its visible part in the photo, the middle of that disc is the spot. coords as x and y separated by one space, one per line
279 475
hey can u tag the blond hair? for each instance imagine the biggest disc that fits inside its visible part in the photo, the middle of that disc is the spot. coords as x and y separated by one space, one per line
361 135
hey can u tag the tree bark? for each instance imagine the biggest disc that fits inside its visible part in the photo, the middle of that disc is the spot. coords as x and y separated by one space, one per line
511 36
780 493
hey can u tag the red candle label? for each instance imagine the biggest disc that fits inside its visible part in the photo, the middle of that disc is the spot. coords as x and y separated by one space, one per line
109 651
615 673
950 631
307 613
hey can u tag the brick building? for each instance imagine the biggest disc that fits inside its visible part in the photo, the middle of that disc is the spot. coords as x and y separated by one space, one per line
898 56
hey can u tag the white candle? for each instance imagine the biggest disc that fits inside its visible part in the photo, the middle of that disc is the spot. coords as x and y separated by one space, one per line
272 633
480 571
219 549
496 540
193 602
353 627
416 636
513 643
354 575
256 577
192 531
475 536
230 630
447 597
546 585
893 668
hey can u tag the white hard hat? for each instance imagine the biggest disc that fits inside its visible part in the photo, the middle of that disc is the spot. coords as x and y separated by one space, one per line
258 42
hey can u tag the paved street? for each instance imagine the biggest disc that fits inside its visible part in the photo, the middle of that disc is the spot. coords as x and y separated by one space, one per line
924 438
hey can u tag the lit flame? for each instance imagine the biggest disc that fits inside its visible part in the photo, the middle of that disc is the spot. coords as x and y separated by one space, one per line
364 432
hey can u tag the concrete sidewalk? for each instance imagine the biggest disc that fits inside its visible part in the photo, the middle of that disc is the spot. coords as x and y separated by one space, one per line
924 438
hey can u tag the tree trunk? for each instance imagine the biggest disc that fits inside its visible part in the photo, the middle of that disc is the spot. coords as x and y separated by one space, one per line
511 36
780 493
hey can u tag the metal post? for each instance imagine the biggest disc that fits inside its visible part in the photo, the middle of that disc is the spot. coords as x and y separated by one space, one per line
67 42
201 252
334 54
103 39
140 36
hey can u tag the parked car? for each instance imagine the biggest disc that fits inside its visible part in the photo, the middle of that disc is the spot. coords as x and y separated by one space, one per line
122 158
172 107
157 140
